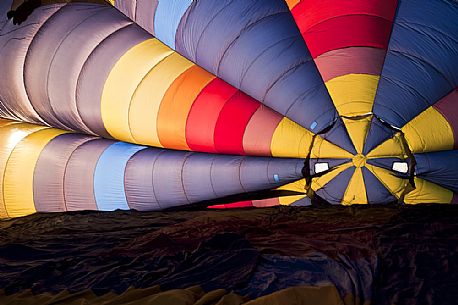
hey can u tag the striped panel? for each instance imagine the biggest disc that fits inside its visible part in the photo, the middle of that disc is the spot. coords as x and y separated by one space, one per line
333 185
390 181
176 104
144 108
278 60
232 121
419 68
356 190
124 80
204 114
348 41
19 172
79 175
15 42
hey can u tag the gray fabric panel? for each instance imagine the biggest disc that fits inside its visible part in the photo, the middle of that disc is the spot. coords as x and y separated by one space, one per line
70 57
167 182
127 7
268 173
14 43
79 176
96 70
139 180
197 177
41 54
225 175
145 14
48 179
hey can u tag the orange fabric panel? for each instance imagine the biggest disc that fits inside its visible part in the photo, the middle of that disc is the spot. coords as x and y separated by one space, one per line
176 105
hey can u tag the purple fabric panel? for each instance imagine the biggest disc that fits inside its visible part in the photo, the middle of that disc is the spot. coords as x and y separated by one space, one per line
448 107
48 179
14 44
145 12
41 54
139 180
353 60
96 70
225 175
255 174
70 57
79 176
197 177
127 7
167 179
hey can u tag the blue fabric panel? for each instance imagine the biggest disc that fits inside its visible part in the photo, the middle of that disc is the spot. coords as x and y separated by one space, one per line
386 163
304 202
338 135
375 191
109 176
255 174
420 67
262 53
377 134
167 179
334 191
167 18
439 167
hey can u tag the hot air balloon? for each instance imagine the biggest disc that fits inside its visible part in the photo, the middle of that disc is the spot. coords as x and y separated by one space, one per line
353 102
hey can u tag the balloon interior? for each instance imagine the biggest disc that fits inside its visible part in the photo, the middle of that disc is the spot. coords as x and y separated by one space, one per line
151 105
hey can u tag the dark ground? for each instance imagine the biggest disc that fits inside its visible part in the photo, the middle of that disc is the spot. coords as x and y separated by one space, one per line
381 255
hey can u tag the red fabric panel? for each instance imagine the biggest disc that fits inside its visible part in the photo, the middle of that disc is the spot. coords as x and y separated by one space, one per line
455 198
204 113
353 60
232 122
309 13
240 204
348 31
448 107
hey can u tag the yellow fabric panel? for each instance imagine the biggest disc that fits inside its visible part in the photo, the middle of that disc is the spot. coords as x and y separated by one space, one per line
18 179
325 149
113 2
320 182
356 190
428 192
122 82
353 94
10 135
144 109
176 104
297 186
394 184
429 131
290 140
358 129
393 147
293 141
